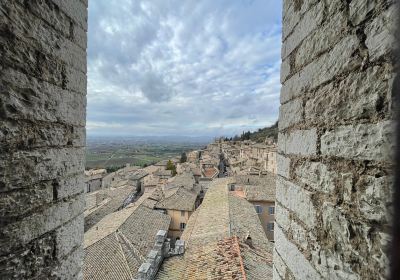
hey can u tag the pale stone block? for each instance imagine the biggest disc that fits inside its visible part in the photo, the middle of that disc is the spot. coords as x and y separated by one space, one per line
308 22
279 265
380 34
37 224
282 217
293 258
283 165
75 9
299 142
361 141
297 200
316 175
374 197
323 69
357 96
290 113
69 236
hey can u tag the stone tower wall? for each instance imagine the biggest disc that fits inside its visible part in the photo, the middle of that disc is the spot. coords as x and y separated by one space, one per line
42 138
334 165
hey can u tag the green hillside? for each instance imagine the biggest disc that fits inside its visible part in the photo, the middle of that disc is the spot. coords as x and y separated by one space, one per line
262 133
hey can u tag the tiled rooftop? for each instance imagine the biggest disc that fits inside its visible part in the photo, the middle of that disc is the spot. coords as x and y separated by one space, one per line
108 200
210 172
119 243
178 199
185 180
215 239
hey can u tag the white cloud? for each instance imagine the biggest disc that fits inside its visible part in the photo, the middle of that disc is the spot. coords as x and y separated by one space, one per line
164 67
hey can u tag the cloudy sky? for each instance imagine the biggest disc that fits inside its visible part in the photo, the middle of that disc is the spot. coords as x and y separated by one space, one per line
183 67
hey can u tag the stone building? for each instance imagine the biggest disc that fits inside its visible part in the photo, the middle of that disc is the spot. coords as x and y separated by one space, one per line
93 179
223 240
120 242
335 127
260 192
334 164
179 203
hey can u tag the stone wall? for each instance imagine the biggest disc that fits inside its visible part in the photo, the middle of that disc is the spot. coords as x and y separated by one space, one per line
42 138
334 163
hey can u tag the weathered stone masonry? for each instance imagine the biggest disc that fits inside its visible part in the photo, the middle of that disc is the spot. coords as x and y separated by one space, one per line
334 165
42 137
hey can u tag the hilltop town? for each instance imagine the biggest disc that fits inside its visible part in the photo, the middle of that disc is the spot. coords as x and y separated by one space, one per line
208 210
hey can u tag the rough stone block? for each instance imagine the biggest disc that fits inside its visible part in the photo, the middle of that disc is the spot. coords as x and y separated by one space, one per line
330 265
293 14
282 217
299 142
30 262
359 9
335 223
71 266
20 202
75 9
283 165
279 265
43 38
50 13
24 231
360 95
80 37
69 186
316 175
38 165
299 235
380 32
69 237
26 135
290 113
76 80
360 141
340 59
374 197
29 98
308 22
293 258
321 40
285 69
297 200
275 274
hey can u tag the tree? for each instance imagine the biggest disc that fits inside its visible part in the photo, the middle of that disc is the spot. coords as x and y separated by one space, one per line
183 157
172 167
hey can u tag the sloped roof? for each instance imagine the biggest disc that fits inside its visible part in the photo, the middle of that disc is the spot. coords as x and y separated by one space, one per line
185 180
160 172
108 200
119 243
216 260
260 193
210 172
137 175
215 241
178 199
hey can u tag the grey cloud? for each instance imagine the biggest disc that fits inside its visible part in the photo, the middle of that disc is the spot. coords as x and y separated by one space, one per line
154 88
213 64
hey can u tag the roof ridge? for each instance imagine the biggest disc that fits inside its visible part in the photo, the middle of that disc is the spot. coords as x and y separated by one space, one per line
122 251
129 244
236 242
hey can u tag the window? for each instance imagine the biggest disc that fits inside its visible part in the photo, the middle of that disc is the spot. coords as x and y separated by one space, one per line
271 210
232 187
270 226
258 209
182 213
182 226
